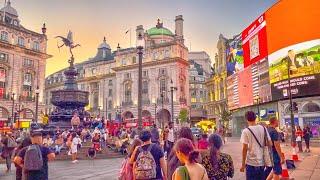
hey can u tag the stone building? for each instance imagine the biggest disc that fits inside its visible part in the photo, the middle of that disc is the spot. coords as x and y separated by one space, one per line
95 76
199 72
23 55
165 65
217 89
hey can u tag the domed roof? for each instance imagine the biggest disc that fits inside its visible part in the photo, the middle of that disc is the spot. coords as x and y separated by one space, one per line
10 10
104 44
159 30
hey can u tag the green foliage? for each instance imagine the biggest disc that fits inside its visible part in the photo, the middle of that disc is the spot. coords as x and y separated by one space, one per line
225 117
183 115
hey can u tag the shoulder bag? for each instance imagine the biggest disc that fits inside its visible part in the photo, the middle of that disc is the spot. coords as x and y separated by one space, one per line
267 157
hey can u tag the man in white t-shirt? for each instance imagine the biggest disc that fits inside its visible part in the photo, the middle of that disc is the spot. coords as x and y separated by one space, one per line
170 137
252 153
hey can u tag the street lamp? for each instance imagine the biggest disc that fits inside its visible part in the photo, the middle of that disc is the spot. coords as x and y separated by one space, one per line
293 130
12 115
140 45
172 88
155 112
37 103
162 104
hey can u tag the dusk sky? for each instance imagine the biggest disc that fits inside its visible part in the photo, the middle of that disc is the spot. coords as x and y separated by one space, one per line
91 20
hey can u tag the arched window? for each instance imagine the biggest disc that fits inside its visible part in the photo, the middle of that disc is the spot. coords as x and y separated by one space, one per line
311 107
4 36
127 92
20 41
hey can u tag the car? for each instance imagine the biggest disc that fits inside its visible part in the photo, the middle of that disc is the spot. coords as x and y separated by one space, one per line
196 132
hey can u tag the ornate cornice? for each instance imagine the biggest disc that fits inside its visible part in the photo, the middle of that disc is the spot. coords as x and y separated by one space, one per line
17 48
152 63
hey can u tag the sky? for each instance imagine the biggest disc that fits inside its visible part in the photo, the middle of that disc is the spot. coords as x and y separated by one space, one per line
91 20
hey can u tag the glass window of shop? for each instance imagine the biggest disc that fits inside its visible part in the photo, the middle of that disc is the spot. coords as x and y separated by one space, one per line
314 124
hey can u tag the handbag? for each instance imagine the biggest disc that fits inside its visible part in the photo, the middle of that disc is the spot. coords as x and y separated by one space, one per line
267 156
298 138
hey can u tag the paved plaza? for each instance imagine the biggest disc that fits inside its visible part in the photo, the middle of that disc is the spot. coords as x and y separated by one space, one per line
307 168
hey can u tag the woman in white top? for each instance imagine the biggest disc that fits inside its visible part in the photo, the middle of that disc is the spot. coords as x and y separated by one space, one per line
74 147
187 155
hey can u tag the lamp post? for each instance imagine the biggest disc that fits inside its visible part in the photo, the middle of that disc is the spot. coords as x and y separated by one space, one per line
293 130
162 104
140 45
257 99
172 88
37 103
12 115
155 112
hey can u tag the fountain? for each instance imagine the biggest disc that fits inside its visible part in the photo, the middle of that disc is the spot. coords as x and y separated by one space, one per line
70 99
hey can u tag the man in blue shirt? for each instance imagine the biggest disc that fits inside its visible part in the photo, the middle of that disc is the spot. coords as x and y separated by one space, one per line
278 157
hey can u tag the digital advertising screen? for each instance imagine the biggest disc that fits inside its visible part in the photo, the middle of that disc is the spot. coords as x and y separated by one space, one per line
234 54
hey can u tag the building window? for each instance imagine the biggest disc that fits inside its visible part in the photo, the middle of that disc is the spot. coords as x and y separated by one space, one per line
20 41
127 75
110 105
193 93
110 93
4 36
27 79
127 92
134 60
27 91
93 71
162 71
36 46
163 85
123 62
4 57
110 82
145 89
193 100
145 73
28 62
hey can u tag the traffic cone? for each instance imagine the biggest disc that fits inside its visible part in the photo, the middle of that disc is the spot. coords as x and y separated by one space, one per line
285 173
294 154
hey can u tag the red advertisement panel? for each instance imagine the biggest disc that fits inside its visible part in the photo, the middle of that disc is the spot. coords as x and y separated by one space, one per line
254 41
245 87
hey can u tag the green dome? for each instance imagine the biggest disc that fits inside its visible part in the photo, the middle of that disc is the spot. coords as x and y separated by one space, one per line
159 31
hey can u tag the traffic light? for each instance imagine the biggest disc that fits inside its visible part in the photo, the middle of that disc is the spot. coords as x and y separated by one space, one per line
295 106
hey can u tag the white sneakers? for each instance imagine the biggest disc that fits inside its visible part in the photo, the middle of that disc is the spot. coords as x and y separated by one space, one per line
75 161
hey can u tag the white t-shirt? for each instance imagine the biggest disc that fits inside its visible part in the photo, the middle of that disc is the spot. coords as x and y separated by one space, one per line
171 135
255 152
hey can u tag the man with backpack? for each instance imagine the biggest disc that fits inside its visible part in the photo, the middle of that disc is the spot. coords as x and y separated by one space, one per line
148 160
253 140
34 158
9 144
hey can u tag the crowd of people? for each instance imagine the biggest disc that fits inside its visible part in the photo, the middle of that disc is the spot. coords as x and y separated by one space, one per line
176 156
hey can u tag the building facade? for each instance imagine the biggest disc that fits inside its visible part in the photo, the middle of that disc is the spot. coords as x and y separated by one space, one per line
96 76
217 85
165 65
199 72
23 55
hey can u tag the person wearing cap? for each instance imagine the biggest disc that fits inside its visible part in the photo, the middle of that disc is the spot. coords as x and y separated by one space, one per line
47 155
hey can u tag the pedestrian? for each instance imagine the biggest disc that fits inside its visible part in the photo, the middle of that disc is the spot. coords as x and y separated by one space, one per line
170 140
203 142
35 166
187 155
278 157
75 121
252 139
74 147
165 139
58 144
47 141
148 159
299 135
307 134
126 172
173 161
155 137
218 165
9 144
25 142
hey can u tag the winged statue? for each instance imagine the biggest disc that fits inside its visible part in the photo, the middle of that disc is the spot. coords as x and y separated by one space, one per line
68 42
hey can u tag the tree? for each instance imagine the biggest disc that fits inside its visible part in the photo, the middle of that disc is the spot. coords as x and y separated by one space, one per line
225 117
183 115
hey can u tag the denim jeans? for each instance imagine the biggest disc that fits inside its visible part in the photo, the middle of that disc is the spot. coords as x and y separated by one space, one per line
255 172
8 161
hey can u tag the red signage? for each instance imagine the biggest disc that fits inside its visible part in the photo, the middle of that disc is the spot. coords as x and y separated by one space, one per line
254 41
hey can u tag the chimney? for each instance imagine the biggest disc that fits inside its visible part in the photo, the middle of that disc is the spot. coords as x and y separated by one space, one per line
179 26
